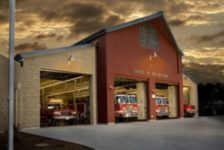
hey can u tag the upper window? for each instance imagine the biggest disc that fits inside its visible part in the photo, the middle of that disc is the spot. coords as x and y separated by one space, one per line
149 37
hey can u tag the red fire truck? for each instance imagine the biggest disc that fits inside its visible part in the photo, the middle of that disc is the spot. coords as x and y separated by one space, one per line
162 107
189 110
126 106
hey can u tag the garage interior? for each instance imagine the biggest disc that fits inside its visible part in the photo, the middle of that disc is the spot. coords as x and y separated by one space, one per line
70 92
137 90
170 93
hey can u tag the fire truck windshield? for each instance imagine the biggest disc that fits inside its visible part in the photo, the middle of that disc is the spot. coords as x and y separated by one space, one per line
132 99
121 99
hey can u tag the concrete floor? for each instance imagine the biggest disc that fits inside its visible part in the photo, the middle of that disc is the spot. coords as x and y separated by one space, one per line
206 133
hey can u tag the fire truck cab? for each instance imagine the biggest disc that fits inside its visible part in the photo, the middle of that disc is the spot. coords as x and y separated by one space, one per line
126 106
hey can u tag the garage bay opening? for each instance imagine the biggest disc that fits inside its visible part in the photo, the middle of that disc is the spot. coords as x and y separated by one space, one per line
64 98
130 100
166 101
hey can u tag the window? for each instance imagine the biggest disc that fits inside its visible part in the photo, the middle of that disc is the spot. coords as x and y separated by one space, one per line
149 37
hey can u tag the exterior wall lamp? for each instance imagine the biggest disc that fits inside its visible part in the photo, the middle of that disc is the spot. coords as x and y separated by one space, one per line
154 55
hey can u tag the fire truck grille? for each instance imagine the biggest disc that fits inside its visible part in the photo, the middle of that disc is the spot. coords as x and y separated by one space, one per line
66 113
128 109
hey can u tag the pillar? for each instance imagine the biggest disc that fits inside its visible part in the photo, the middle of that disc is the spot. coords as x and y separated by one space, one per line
141 98
180 101
172 98
151 100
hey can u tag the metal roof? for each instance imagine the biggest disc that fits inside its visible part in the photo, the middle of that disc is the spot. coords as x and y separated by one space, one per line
130 23
20 56
187 74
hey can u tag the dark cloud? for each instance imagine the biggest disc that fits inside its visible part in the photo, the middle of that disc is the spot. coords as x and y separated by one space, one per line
196 18
91 25
209 37
3 18
59 38
177 22
221 44
184 20
4 14
206 73
50 36
30 47
84 17
43 36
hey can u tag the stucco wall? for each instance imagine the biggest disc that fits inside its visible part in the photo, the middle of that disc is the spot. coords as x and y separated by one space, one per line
3 93
29 81
187 82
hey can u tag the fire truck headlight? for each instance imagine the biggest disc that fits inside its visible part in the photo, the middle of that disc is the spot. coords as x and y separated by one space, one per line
57 113
74 113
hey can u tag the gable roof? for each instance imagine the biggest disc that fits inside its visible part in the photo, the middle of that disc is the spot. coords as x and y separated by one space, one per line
131 23
19 57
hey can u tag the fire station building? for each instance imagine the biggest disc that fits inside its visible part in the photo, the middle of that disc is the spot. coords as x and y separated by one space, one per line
140 58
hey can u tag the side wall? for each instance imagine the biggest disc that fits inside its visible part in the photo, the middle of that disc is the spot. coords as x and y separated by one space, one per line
29 83
3 93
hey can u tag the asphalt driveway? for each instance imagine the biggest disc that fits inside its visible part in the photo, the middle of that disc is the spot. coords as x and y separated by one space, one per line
205 133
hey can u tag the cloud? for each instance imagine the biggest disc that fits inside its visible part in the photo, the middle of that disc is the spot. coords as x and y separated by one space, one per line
3 18
209 37
205 73
188 20
208 7
43 36
30 47
86 18
177 22
205 55
208 40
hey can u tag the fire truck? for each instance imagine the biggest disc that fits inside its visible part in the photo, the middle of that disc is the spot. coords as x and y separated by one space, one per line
126 106
56 112
189 110
162 107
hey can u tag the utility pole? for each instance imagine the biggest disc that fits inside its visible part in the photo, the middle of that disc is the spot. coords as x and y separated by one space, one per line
11 74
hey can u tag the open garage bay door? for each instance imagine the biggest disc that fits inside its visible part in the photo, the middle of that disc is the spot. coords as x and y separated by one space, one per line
130 100
166 100
64 98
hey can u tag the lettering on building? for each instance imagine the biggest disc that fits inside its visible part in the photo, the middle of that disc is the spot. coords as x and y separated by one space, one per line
150 73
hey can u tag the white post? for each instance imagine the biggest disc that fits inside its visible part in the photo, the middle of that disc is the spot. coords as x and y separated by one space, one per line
11 74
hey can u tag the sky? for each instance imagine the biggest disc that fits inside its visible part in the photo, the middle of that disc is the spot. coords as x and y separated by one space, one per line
197 25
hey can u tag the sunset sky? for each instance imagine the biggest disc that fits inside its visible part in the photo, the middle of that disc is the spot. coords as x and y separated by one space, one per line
197 25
